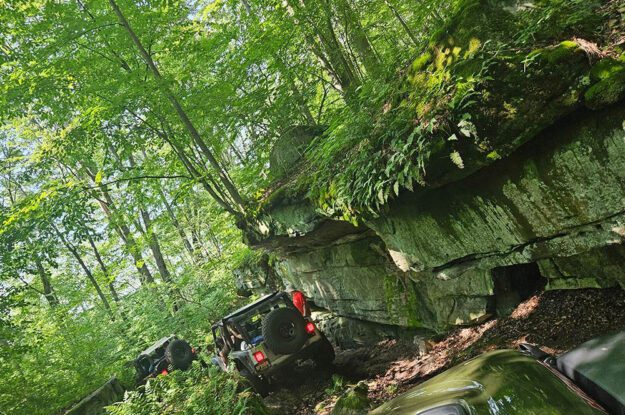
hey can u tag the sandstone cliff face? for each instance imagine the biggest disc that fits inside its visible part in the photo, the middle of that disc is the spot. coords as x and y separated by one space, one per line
549 212
430 259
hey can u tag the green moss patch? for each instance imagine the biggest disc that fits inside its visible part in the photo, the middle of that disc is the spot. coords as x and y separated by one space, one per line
605 69
608 91
557 54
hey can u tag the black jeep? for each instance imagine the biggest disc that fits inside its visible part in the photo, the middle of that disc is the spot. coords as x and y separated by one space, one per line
266 338
163 356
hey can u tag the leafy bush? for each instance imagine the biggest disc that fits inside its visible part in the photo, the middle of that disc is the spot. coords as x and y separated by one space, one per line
196 391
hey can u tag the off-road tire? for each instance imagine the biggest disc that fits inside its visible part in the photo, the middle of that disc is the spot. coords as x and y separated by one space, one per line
284 331
260 385
179 354
325 352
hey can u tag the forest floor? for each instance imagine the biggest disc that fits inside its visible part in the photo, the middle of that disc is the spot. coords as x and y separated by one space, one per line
554 320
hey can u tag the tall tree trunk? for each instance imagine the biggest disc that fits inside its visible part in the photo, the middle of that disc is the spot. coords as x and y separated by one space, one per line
126 236
323 43
71 248
357 35
284 69
402 22
155 247
48 291
148 230
104 269
333 45
214 241
238 154
184 118
162 134
120 226
203 179
174 220
297 94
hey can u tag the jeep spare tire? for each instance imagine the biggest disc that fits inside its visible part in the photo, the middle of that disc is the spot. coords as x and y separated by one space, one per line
284 331
179 354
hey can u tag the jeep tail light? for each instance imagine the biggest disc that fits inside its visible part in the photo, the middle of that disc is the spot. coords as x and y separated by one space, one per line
164 372
259 356
310 328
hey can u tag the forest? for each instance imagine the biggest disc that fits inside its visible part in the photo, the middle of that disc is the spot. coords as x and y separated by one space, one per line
135 145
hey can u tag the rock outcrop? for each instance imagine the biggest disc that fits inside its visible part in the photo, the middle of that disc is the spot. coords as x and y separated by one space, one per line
544 209
429 260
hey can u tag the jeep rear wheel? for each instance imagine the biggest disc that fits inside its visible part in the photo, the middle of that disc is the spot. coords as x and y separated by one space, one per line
284 331
179 354
260 385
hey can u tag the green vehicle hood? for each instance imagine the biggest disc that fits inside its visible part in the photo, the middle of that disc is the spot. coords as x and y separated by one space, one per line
503 382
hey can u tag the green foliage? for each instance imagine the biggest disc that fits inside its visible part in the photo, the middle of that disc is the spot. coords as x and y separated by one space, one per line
196 391
401 122
338 385
113 231
382 142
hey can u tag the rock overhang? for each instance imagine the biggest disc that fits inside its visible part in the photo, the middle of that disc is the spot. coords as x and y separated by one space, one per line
541 112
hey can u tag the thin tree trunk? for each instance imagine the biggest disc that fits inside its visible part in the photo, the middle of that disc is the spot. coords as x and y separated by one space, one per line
196 174
155 247
87 272
358 36
238 154
161 134
297 94
145 276
48 291
126 236
402 22
299 98
104 269
214 241
331 58
148 231
334 46
186 121
174 220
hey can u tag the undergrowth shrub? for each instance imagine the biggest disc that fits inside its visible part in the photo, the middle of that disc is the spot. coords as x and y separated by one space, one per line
196 391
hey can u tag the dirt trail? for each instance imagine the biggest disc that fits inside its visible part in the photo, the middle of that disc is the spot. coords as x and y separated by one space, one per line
555 320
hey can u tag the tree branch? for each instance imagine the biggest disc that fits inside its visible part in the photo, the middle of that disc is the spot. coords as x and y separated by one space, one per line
149 176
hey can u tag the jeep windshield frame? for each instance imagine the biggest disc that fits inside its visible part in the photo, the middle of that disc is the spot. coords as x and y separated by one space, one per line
156 345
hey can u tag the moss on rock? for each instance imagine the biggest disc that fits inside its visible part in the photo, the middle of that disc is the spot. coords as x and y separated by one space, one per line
606 68
354 402
608 91
558 53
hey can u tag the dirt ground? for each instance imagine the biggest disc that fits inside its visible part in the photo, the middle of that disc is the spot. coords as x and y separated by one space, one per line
555 320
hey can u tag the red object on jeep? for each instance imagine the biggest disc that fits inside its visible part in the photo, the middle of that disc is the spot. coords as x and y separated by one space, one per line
310 328
164 372
299 301
259 356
